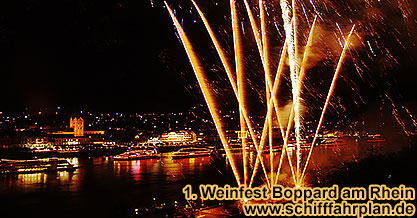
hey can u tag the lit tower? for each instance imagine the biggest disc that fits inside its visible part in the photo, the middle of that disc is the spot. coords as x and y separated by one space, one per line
78 125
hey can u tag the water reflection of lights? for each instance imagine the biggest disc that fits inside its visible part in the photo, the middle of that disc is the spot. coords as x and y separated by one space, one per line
173 168
64 176
191 162
97 161
116 164
73 161
34 178
135 166
136 169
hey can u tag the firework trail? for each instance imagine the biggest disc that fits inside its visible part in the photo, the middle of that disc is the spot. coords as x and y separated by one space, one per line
301 76
289 14
373 28
206 91
240 82
329 95
226 65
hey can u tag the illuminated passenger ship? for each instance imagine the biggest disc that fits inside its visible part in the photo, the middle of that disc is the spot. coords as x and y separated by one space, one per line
35 166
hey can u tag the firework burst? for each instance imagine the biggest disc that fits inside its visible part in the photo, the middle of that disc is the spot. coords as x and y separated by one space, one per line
321 28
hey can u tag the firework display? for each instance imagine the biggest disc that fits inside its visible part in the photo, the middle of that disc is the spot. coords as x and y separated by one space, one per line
208 108
297 72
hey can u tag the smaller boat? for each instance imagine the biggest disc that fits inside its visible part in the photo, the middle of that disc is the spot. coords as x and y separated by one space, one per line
377 138
41 150
67 150
191 152
138 155
332 141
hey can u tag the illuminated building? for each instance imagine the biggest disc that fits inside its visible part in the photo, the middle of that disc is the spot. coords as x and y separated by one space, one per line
154 141
179 137
78 125
69 141
78 136
35 142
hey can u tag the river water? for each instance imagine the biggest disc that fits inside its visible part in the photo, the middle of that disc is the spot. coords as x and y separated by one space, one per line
102 187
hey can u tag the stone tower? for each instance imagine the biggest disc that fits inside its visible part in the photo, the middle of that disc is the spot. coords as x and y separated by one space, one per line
78 125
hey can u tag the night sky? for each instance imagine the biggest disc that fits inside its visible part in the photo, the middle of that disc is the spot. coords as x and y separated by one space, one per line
102 55
113 56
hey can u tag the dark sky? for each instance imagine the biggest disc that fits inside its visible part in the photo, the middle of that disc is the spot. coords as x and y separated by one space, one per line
104 55
118 55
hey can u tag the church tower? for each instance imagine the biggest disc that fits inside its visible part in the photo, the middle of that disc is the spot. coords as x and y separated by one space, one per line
78 125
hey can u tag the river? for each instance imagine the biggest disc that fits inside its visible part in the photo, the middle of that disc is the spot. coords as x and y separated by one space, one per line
103 187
